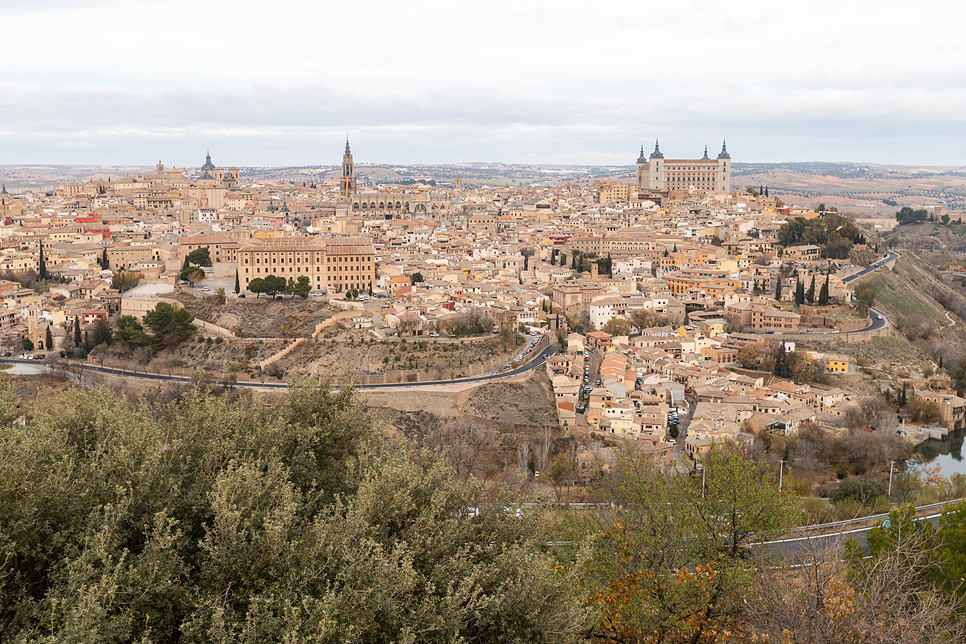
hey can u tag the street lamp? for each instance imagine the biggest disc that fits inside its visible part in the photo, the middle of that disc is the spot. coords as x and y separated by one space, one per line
891 464
781 471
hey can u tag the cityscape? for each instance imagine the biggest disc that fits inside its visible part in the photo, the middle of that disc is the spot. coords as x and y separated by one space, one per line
506 323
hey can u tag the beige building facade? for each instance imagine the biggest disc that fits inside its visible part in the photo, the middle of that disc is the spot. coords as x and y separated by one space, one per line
330 264
667 175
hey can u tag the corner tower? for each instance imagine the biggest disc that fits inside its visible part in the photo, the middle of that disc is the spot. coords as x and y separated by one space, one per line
657 179
723 179
347 186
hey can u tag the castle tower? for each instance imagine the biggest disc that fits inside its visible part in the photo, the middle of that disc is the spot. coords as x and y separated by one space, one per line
656 169
347 187
723 182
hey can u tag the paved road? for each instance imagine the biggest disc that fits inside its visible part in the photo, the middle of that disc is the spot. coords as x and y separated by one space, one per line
795 546
535 362
878 320
890 256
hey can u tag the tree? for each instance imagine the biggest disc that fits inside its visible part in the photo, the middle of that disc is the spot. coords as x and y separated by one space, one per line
301 287
125 280
863 491
945 219
199 257
192 274
799 293
77 331
42 264
291 518
101 334
909 216
778 289
823 297
642 319
617 327
48 339
810 296
168 326
782 368
105 264
27 344
130 332
888 596
270 284
751 356
415 278
865 294
669 567
256 285
237 283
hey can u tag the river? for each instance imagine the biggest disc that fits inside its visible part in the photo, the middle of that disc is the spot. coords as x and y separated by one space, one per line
948 454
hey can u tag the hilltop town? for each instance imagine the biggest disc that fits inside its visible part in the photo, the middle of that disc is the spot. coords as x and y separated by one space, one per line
682 310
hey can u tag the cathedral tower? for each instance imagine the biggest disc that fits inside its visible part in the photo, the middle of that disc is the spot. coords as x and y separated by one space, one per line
347 187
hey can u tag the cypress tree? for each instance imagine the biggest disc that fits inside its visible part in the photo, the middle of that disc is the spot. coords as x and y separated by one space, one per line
800 293
810 296
48 339
77 335
104 263
237 283
940 361
778 289
42 265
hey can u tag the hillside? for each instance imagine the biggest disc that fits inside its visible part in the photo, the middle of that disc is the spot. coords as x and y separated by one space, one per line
923 308
930 237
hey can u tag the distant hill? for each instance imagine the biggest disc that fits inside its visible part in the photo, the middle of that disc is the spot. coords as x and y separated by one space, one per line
862 186
866 186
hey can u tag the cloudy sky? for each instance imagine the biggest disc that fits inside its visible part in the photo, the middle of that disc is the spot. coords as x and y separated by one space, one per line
520 81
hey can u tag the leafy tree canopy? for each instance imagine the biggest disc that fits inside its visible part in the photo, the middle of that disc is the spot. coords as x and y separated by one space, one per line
269 520
907 215
200 257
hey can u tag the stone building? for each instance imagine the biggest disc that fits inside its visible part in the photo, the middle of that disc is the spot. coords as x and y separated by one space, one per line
338 264
667 175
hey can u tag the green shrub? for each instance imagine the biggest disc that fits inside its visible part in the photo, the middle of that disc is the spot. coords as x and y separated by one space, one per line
860 490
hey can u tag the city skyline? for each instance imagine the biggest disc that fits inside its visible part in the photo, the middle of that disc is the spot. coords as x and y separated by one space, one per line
504 82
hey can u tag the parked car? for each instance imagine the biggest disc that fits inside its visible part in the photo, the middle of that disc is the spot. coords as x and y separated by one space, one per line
6 354
434 335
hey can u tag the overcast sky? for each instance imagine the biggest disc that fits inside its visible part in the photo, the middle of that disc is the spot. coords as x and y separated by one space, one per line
280 83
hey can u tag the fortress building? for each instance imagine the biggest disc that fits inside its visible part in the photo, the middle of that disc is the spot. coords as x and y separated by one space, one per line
665 175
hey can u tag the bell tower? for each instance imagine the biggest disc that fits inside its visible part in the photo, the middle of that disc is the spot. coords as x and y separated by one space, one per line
347 187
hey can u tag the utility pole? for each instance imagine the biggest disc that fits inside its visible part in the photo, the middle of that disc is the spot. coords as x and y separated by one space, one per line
781 470
891 464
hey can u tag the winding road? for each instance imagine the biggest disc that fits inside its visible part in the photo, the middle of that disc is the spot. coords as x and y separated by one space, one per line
536 362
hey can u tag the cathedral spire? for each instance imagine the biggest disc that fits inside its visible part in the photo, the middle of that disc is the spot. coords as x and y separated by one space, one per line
347 150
